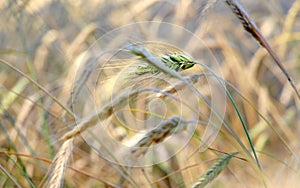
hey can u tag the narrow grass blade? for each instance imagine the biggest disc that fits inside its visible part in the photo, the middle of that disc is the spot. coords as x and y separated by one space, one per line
21 166
10 176
239 115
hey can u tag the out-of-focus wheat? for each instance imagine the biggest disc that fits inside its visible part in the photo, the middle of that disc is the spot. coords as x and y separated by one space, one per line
214 170
158 134
55 175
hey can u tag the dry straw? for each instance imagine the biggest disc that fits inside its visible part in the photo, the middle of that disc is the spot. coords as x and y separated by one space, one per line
214 170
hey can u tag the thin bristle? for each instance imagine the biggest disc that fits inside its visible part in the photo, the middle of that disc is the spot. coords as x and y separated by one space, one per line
214 170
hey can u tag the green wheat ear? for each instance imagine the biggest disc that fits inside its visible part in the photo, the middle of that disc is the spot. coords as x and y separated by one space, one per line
175 61
213 171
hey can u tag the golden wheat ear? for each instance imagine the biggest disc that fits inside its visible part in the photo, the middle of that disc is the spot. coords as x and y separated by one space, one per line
55 175
158 134
250 26
213 171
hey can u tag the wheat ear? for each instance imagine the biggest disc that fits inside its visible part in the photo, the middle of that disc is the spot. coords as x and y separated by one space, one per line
105 112
251 27
214 170
158 134
152 60
55 175
101 114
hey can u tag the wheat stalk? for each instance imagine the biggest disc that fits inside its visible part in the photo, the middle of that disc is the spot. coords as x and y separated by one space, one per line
214 170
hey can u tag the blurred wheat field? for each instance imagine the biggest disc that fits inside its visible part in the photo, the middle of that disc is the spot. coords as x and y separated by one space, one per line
62 73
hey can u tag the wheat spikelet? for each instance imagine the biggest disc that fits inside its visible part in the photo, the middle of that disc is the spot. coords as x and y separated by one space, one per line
214 170
54 177
158 134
